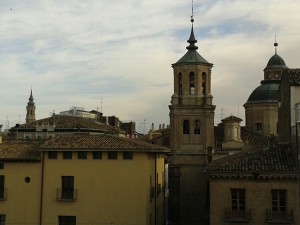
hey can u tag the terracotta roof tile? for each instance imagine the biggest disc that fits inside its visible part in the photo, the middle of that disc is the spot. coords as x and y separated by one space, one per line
267 160
99 142
19 151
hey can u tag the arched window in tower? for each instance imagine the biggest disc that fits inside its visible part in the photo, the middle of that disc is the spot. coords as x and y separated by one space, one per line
180 84
186 127
192 83
204 83
197 127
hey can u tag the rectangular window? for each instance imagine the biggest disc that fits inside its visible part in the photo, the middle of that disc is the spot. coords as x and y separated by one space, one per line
258 127
127 155
52 155
67 188
2 219
82 155
2 188
238 199
66 220
278 200
1 166
67 155
97 155
112 155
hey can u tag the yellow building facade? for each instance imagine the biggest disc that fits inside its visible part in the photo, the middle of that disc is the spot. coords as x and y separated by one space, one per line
92 179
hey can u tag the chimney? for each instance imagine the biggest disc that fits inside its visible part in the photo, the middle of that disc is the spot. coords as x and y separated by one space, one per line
163 127
152 127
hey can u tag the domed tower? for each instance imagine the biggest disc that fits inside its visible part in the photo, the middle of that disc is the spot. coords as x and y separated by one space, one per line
261 107
191 132
30 115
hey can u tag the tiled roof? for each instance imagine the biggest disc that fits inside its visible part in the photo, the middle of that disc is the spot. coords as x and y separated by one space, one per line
98 142
64 121
19 151
267 160
293 76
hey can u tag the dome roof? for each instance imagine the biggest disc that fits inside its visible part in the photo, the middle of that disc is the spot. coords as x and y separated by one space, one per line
276 62
266 92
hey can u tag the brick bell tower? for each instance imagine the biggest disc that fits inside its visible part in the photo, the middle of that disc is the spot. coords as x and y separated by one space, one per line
30 108
191 132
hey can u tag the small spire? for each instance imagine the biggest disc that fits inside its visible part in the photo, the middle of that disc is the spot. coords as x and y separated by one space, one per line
275 45
192 40
31 97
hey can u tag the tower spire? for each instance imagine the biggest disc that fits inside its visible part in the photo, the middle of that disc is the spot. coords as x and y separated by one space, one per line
192 40
30 115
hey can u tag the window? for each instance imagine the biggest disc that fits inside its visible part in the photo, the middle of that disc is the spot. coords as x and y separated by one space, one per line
204 83
52 155
2 219
82 155
112 155
238 199
66 220
278 200
192 83
67 155
1 166
97 155
127 155
258 127
186 127
197 127
67 188
180 84
2 188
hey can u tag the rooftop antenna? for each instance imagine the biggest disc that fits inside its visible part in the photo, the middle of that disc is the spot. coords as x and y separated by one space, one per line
101 102
275 45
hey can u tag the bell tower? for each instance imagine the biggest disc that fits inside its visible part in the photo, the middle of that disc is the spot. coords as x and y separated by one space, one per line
30 115
191 132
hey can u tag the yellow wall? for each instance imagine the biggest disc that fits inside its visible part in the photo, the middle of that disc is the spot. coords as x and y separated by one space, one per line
22 199
108 191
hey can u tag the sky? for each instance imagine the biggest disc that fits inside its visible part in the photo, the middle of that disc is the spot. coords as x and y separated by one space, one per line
116 55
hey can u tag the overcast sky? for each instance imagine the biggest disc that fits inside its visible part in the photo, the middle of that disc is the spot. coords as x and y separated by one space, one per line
75 53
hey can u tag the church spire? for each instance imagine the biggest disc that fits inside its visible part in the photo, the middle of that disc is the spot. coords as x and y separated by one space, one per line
30 115
192 40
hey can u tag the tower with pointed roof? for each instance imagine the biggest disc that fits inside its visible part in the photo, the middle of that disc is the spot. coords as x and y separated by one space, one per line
261 107
191 132
30 108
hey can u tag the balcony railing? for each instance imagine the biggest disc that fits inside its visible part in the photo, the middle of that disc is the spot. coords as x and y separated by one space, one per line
284 217
70 195
237 215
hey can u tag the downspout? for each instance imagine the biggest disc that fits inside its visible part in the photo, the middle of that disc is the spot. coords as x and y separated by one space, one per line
42 188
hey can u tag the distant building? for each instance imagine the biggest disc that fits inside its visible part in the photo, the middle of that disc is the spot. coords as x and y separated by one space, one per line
30 114
90 179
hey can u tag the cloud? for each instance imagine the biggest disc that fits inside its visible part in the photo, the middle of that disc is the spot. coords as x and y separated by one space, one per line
77 52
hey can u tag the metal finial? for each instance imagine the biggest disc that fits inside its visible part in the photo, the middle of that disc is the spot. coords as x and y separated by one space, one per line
192 17
275 45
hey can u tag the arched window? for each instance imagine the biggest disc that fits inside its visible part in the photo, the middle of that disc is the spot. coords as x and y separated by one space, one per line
204 83
192 83
186 127
180 83
197 127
